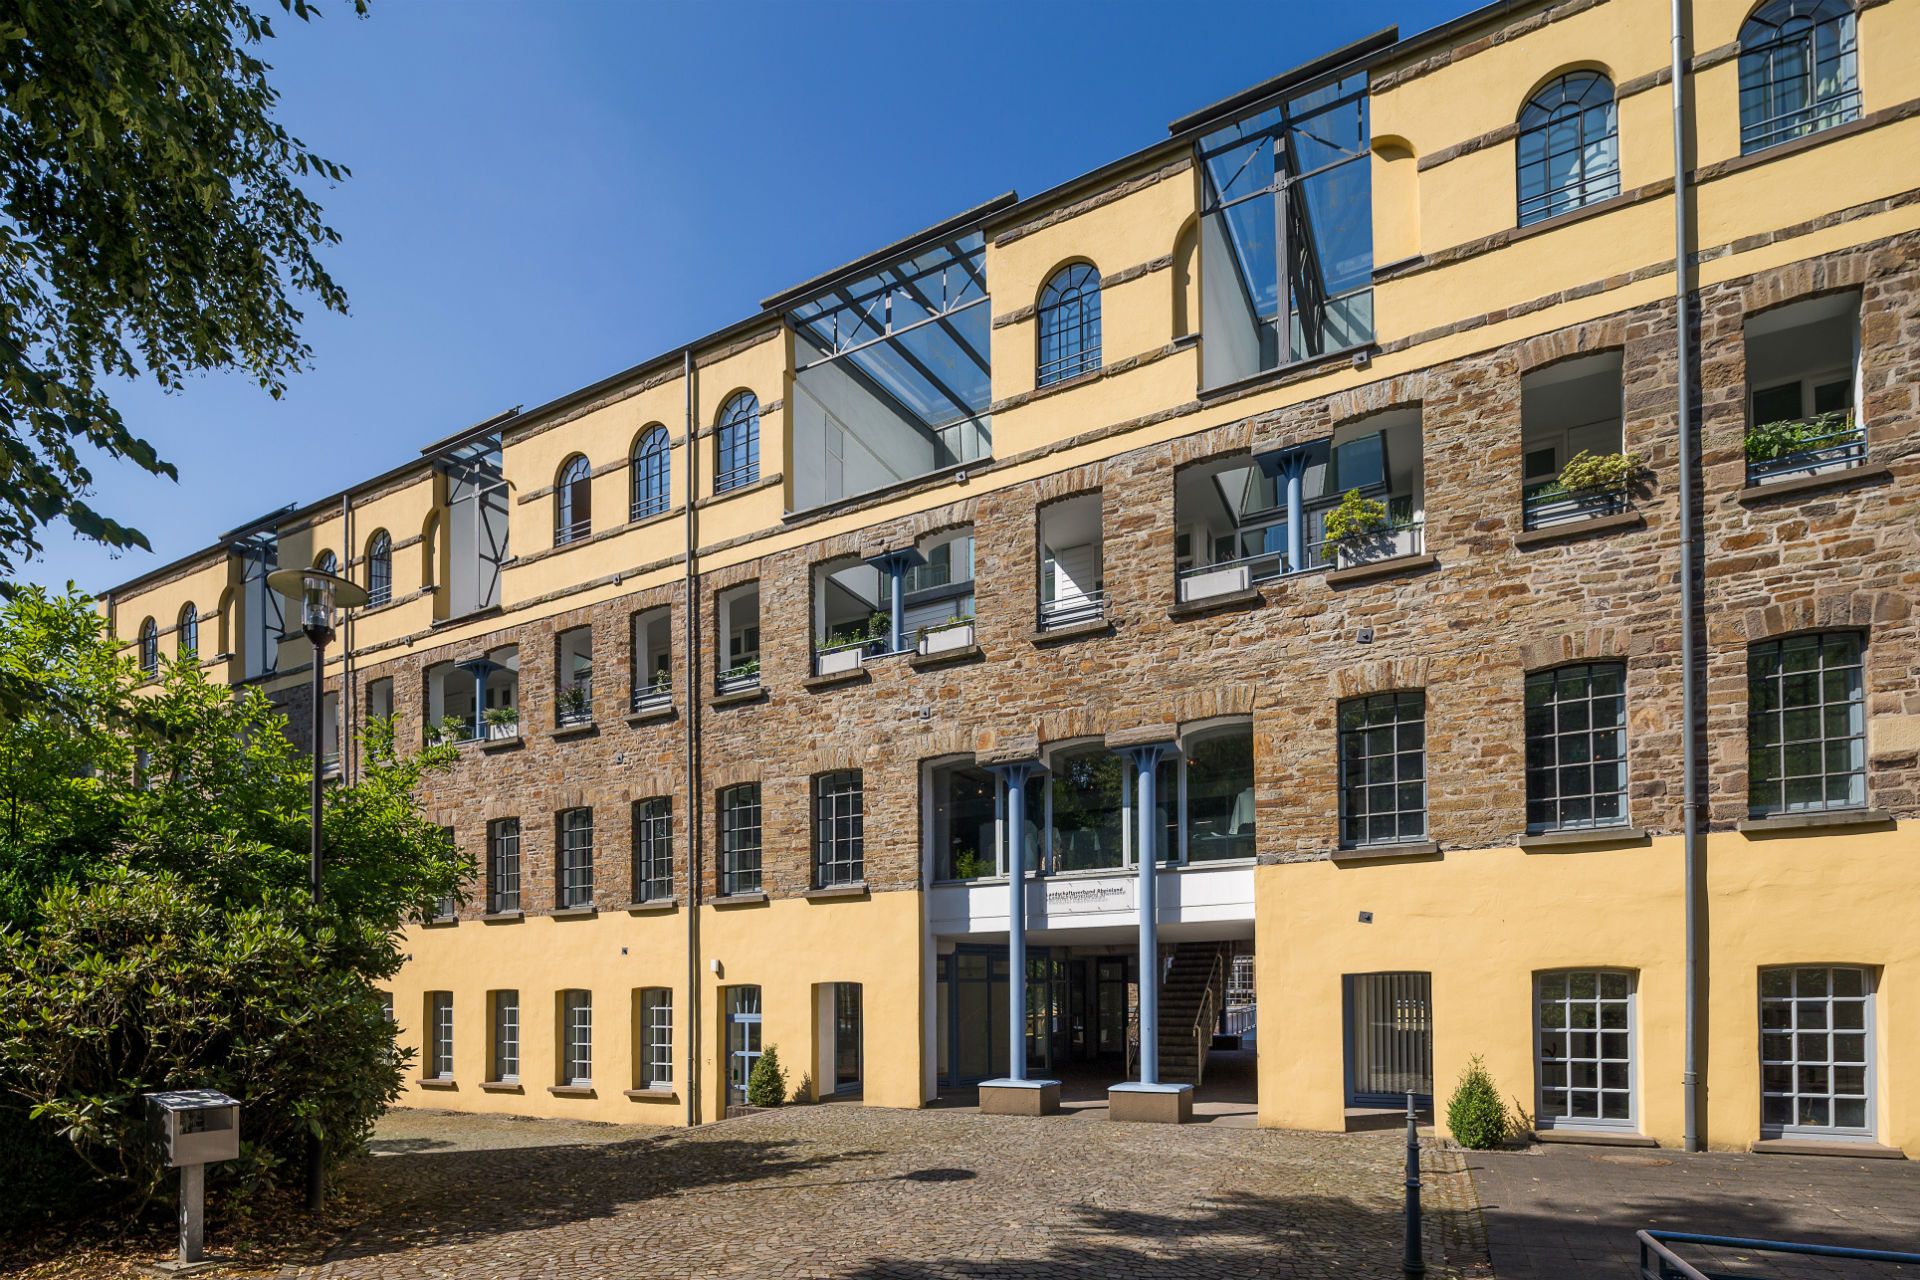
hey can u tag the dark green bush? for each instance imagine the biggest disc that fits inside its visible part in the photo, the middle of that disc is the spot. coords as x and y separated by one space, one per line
1475 1114
767 1083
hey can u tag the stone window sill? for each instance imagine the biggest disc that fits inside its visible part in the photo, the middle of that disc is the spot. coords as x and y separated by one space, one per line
1593 1138
1078 631
501 746
1388 852
503 917
574 913
1822 820
440 922
752 898
657 907
580 730
1591 527
1248 599
830 892
740 697
501 1086
652 715
1861 1150
1587 837
1387 568
947 657
856 675
572 1091
653 1095
436 1082
1754 494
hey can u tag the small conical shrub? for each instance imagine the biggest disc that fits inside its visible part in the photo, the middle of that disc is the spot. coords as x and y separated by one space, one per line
1475 1113
767 1083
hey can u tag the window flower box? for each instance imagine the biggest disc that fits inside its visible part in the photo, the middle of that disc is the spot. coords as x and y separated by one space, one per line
946 639
1205 584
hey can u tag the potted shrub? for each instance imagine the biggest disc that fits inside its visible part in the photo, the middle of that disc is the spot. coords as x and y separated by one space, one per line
1589 485
1476 1114
767 1082
574 703
969 865
1362 533
450 729
946 637
844 654
503 722
740 676
1776 442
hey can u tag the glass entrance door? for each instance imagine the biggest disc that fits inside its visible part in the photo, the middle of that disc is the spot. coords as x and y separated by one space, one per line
846 1037
743 1040
1110 1003
1389 1039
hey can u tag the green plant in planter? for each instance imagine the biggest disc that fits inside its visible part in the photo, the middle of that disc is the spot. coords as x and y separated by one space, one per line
767 1082
1599 471
1770 441
969 865
751 667
450 729
500 717
572 699
1475 1113
1356 517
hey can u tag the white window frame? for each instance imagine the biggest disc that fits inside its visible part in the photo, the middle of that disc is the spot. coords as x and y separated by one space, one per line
576 1038
505 1046
1607 1124
656 1038
440 1034
1870 985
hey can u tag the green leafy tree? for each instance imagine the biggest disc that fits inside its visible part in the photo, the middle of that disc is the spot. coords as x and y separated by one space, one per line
155 924
154 222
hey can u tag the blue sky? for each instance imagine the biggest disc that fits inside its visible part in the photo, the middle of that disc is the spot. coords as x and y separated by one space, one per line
544 193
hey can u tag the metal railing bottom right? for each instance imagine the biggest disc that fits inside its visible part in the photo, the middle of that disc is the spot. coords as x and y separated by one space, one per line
1659 1261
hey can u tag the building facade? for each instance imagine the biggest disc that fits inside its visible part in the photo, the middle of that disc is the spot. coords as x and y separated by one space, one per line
1317 474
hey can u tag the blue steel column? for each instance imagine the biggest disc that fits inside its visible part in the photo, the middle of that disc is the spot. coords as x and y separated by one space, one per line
1145 761
1015 777
1293 469
897 575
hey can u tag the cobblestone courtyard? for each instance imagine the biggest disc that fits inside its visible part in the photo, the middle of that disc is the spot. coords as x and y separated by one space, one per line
843 1191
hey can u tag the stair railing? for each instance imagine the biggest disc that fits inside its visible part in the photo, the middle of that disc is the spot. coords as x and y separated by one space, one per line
1203 1020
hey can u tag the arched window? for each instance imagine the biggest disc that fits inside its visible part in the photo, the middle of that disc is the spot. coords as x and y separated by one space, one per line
187 638
1568 152
149 647
1069 314
737 447
379 568
573 502
327 563
649 474
1799 71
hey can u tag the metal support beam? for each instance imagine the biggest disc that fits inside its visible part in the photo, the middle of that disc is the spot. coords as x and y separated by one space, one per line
1146 760
1015 777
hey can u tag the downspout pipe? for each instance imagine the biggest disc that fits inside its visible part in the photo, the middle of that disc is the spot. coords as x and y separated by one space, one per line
1690 745
690 610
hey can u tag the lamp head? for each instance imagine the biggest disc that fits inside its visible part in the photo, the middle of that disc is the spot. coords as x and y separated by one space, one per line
321 597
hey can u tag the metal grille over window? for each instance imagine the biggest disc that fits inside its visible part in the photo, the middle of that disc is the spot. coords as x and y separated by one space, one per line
649 474
737 447
1806 724
1576 747
1069 319
1586 1047
653 850
506 1036
1799 71
503 865
576 858
442 1035
1816 1044
656 1038
1568 151
839 839
1383 788
379 569
576 1024
573 503
740 839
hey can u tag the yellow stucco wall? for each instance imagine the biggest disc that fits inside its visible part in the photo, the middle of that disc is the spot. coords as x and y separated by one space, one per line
1484 922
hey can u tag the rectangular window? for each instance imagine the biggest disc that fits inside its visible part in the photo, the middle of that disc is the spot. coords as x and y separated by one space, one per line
839 834
1806 724
653 660
655 1039
1383 769
573 687
576 1037
440 1034
1577 747
576 858
1816 1051
380 699
653 849
1584 1029
506 1036
1803 389
503 865
448 905
738 614
740 839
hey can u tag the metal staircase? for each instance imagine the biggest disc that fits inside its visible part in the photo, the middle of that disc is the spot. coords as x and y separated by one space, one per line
1191 996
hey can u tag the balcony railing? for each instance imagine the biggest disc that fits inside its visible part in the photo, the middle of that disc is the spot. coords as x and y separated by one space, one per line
847 655
1829 451
453 729
1200 581
575 704
739 678
651 697
330 764
565 534
1398 540
1058 614
736 477
1549 504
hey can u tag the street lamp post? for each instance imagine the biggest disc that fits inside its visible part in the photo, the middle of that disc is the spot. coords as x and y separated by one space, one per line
321 598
